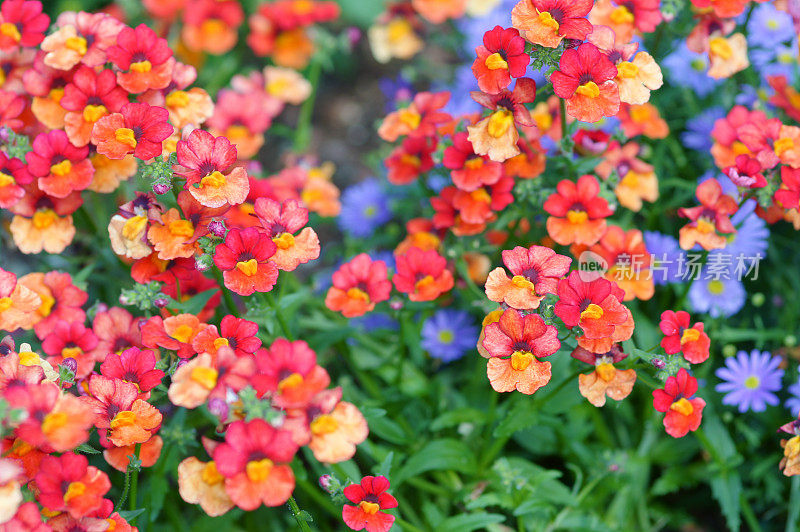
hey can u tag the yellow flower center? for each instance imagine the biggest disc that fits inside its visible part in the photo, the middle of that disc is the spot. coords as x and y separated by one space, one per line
54 421
10 30
369 508
210 475
782 145
716 287
411 160
474 164
44 218
496 62
141 66
592 312
399 29
182 333
424 282
689 335
259 470
71 352
544 121
522 282
237 131
56 94
357 293
47 305
248 267
739 148
410 118
606 371
705 226
682 406
546 19
215 179
589 89
126 418
75 489
205 377
76 44
621 15
126 136
133 227
446 336
284 240
221 342
324 424
93 113
6 179
177 99
577 217
640 113
292 381
61 169
520 360
752 382
182 228
5 303
278 86
500 122
626 69
631 179
720 47
29 358
303 7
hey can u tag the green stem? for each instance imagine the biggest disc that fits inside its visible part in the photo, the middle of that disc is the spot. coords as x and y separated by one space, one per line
302 135
562 107
794 505
301 523
226 294
281 318
407 526
134 480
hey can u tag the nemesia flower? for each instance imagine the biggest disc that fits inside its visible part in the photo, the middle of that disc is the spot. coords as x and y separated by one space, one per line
17 302
496 136
750 380
680 337
133 365
419 119
423 275
10 477
288 372
547 22
237 333
200 483
281 222
61 300
585 79
43 222
535 271
206 162
358 285
709 219
138 128
22 23
193 382
13 173
523 340
790 463
68 483
727 142
116 330
369 497
770 142
254 461
11 107
395 36
13 374
175 333
438 11
244 258
605 380
80 38
727 55
469 170
175 236
336 431
144 60
723 8
501 57
87 98
626 17
149 453
577 212
448 334
643 119
71 340
684 411
210 25
243 119
788 196
61 167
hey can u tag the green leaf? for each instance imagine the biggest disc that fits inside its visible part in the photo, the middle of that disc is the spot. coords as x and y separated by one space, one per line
130 515
194 304
85 448
436 456
385 467
521 416
385 428
157 488
458 416
469 522
727 489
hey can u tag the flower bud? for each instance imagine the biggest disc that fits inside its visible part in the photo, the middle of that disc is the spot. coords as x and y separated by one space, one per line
161 188
161 301
217 228
658 363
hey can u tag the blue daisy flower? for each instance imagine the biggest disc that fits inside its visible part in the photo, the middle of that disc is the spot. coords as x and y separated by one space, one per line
365 207
448 334
750 380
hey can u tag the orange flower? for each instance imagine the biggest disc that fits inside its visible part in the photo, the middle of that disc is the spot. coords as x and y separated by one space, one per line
173 237
642 120
149 452
322 197
438 11
211 25
144 60
423 275
281 222
335 434
207 164
109 173
192 383
286 84
637 77
358 285
605 380
45 231
628 262
18 303
727 55
174 333
535 271
577 212
546 22
136 425
419 119
200 483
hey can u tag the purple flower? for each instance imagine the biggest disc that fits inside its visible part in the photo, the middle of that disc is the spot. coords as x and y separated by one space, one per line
667 256
396 90
365 207
769 27
750 380
448 334
751 237
686 68
374 321
776 60
717 297
793 402
698 129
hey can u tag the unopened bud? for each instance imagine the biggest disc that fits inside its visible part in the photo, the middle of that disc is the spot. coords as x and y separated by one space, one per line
658 363
325 482
71 364
161 188
395 304
161 301
790 340
217 228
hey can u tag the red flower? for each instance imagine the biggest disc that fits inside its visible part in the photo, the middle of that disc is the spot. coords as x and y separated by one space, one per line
135 366
281 221
62 302
237 333
547 22
22 23
138 128
89 97
760 138
679 336
469 170
709 218
746 173
358 285
480 206
789 194
513 345
684 413
290 373
254 461
536 271
419 119
577 212
61 167
116 330
501 57
585 79
244 261
410 159
423 275
370 498
13 173
71 340
143 58
497 135
68 483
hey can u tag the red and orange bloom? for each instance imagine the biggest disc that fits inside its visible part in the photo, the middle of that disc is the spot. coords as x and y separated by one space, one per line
207 376
642 119
243 118
469 170
790 462
727 142
46 85
138 128
419 119
788 196
200 483
135 366
770 142
626 17
206 162
358 285
116 331
71 340
289 373
60 299
42 222
176 236
514 345
709 219
81 38
395 34
606 380
410 160
637 77
87 98
13 173
423 275
496 135
61 167
370 498
628 262
56 421
722 8
438 11
282 221
175 333
18 303
335 432
119 457
585 79
210 25
145 60
680 337
237 333
577 212
547 22
245 260
536 272
596 306
638 181
68 483
254 461
684 411
501 57
22 23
